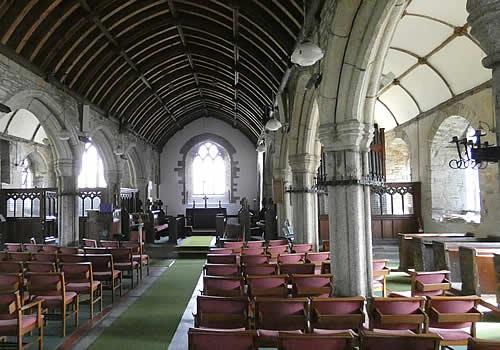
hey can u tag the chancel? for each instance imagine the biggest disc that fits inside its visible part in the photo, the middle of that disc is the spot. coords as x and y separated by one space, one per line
250 174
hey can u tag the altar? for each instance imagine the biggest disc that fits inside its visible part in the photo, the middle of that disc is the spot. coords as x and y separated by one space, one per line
204 218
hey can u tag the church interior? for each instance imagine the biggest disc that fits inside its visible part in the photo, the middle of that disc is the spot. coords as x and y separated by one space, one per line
250 174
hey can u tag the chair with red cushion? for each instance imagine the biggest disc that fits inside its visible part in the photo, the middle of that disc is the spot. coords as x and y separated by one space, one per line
32 248
340 341
19 256
18 321
50 289
45 257
260 270
89 243
302 248
312 285
253 251
274 242
221 312
14 247
453 318
255 244
293 258
388 341
124 262
268 286
11 267
297 269
275 250
481 344
399 315
99 250
274 315
138 254
72 258
50 248
337 313
430 283
380 273
235 246
220 251
223 286
69 250
79 279
205 339
11 282
317 258
222 258
221 270
247 260
40 266
104 271
109 244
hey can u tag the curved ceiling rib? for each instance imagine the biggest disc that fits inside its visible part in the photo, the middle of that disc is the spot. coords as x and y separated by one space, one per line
159 64
422 71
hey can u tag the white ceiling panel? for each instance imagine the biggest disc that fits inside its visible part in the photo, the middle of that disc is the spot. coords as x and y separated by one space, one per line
400 103
398 62
463 72
383 117
426 87
420 35
451 11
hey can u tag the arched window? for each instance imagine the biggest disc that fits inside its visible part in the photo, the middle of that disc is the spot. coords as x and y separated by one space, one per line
455 192
92 171
208 173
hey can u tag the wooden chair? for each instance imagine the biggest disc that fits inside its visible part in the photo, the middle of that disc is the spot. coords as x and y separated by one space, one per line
50 289
109 244
274 315
11 267
255 244
14 247
297 269
312 285
223 286
247 260
50 248
274 242
46 257
11 283
481 344
380 273
93 251
138 254
104 271
268 286
89 243
387 341
293 258
317 258
204 339
449 317
32 248
340 341
234 245
17 320
431 283
275 250
337 313
222 258
221 270
72 258
80 279
302 248
253 251
69 250
220 251
124 262
399 314
221 312
19 256
40 266
260 270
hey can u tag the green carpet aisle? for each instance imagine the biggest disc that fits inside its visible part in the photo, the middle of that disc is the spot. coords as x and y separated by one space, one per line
150 323
197 241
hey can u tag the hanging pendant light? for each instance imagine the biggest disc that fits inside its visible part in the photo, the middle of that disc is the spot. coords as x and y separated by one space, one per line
273 124
306 54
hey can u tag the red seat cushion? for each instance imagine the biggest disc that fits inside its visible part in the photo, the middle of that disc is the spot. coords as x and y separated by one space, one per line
127 265
9 327
55 300
451 334
106 275
82 288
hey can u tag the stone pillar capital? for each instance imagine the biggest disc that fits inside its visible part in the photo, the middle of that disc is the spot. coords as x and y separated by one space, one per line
484 18
347 135
304 163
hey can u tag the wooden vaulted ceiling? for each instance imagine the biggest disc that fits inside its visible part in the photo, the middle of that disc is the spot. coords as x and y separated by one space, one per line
159 64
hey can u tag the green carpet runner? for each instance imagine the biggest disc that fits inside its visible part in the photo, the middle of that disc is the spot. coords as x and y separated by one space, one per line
151 322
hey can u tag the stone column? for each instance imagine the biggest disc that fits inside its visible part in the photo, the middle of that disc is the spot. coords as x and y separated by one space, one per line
346 146
304 203
283 209
68 220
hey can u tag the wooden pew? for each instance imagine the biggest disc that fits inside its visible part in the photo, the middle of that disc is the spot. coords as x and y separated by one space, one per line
478 270
406 245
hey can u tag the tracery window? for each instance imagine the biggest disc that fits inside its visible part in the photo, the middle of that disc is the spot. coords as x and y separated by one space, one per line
92 171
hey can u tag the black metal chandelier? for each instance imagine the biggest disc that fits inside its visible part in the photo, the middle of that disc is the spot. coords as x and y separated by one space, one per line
472 153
